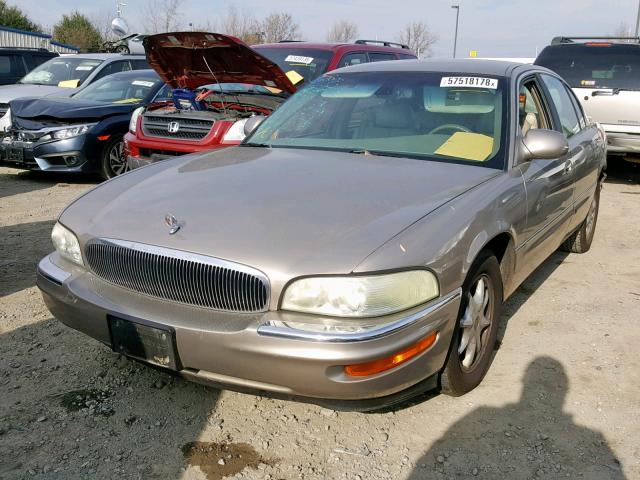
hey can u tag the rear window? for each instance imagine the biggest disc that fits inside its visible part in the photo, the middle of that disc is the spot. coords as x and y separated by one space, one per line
594 66
308 62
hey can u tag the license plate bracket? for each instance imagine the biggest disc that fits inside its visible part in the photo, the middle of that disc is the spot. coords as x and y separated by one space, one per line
15 154
145 341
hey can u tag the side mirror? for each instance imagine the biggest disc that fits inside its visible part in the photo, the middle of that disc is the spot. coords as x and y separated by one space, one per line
252 123
544 144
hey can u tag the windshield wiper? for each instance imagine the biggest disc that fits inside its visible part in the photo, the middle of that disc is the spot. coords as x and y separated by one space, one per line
377 153
254 144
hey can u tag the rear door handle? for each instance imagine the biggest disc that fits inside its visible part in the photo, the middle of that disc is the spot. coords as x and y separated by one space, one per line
568 166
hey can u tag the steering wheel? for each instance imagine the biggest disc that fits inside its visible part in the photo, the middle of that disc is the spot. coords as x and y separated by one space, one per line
450 126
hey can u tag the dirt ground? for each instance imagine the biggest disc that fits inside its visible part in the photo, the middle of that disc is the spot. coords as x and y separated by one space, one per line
562 398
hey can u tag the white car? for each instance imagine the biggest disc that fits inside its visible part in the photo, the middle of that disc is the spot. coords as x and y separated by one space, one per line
604 73
65 75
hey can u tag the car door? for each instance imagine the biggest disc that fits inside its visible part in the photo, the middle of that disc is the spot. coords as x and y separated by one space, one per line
548 183
581 164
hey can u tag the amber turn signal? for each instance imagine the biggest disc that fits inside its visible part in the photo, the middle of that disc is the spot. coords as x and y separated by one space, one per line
377 366
102 138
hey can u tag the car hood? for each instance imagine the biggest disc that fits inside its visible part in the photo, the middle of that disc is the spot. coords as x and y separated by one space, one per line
11 92
286 212
193 59
66 109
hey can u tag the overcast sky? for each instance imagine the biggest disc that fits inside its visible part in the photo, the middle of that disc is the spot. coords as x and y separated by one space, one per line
495 28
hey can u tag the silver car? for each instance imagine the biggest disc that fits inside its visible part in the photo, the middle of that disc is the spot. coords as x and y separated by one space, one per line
357 248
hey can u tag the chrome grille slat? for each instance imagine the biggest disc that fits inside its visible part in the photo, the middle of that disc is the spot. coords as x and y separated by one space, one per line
179 276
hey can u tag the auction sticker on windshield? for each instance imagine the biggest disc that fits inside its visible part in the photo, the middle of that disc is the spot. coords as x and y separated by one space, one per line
298 59
473 82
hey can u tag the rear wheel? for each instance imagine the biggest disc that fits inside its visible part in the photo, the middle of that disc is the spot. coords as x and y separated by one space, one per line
114 161
476 330
122 49
580 240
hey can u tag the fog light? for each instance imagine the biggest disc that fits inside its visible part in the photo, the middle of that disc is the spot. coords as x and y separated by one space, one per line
398 358
72 160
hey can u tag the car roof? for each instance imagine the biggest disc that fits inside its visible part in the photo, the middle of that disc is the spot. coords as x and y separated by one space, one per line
470 66
105 56
146 73
334 46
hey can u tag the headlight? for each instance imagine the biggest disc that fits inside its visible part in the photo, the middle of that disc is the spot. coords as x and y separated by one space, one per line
133 123
66 244
71 131
236 132
361 296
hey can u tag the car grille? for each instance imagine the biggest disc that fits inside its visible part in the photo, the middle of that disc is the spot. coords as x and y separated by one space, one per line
179 276
189 128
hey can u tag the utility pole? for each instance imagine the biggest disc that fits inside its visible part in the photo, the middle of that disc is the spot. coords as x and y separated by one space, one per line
455 37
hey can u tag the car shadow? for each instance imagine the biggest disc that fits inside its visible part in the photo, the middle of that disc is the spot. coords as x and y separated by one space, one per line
28 181
22 247
532 438
623 172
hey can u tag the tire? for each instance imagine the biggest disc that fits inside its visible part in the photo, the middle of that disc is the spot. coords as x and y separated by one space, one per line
123 49
580 240
113 161
465 367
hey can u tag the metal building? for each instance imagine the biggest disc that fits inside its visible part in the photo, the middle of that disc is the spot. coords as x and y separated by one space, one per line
12 37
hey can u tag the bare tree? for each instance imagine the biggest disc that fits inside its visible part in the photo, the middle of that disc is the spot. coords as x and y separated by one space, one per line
241 25
343 31
419 38
162 16
279 26
102 22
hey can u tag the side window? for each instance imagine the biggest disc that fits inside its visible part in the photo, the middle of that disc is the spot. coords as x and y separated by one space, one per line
578 108
140 64
34 60
381 57
113 67
353 59
531 111
405 56
9 66
562 101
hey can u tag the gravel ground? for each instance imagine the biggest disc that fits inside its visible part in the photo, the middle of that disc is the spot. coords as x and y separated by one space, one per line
560 401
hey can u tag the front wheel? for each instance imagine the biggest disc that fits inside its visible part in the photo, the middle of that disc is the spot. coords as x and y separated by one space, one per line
476 330
114 161
580 240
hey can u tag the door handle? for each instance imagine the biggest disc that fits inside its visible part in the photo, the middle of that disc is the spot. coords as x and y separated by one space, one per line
568 166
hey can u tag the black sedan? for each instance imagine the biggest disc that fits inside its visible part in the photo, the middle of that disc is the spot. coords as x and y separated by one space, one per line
83 133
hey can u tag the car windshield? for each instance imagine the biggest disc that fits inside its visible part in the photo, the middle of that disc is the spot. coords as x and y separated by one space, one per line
594 65
115 89
62 71
437 116
310 63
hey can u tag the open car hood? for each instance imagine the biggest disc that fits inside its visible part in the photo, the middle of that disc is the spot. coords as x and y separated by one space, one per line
193 59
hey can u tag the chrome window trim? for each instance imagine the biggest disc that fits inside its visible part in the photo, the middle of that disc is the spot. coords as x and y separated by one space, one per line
189 256
271 328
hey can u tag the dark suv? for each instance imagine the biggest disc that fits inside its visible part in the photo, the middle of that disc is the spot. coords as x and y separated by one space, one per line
16 62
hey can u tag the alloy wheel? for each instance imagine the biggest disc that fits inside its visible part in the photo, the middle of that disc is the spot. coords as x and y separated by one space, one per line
476 322
117 161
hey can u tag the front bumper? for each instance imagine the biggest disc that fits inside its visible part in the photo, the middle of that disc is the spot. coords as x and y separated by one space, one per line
244 351
622 142
58 156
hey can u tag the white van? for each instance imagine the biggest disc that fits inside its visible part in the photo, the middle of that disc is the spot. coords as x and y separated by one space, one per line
604 73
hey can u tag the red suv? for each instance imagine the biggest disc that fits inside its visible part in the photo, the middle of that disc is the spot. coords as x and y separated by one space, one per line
219 83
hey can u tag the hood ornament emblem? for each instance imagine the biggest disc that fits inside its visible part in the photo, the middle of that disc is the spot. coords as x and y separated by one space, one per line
172 223
173 127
